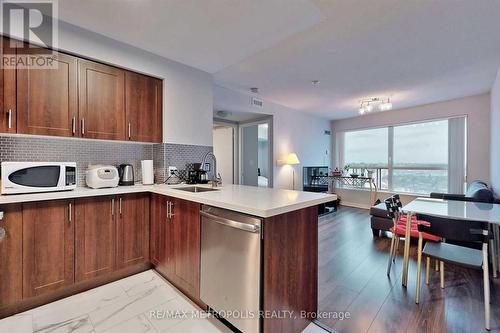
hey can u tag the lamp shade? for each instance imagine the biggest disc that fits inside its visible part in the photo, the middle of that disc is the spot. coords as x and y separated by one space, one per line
292 159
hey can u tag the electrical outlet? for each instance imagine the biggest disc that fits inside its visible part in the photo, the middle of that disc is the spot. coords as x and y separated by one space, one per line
171 170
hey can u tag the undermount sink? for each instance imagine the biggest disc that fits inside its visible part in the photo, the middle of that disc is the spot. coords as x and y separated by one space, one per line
195 189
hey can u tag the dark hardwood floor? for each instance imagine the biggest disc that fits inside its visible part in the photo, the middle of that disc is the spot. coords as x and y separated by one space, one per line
352 278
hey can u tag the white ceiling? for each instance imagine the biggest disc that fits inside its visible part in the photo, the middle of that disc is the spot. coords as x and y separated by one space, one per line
206 34
418 52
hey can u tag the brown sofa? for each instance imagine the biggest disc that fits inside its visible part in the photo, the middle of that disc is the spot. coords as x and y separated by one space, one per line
379 219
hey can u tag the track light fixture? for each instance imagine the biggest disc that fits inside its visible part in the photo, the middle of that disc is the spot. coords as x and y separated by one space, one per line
367 105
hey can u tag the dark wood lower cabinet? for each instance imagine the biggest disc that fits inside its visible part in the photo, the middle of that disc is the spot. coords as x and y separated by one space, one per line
53 249
11 260
186 246
132 230
158 233
175 243
95 239
290 267
75 288
48 246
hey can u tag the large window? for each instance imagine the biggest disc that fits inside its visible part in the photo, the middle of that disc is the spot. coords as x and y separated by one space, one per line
412 158
368 149
420 158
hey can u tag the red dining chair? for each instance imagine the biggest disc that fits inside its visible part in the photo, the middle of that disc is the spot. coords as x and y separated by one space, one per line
394 205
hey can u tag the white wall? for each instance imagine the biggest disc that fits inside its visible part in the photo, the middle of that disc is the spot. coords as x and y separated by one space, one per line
477 110
495 136
293 131
187 92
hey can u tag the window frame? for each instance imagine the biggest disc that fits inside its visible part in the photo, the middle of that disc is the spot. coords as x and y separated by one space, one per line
390 163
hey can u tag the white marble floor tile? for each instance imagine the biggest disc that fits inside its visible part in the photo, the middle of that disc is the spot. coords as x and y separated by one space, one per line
197 326
18 324
130 307
313 328
78 305
171 313
137 278
77 325
141 282
139 324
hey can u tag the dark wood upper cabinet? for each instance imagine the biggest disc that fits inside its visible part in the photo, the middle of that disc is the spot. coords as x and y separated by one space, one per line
8 108
79 98
132 230
143 107
11 255
101 101
48 246
47 98
95 237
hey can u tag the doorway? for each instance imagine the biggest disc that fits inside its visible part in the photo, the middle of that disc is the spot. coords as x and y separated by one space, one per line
255 153
243 147
224 150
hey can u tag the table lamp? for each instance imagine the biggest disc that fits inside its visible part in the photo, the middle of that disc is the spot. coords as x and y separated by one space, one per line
292 159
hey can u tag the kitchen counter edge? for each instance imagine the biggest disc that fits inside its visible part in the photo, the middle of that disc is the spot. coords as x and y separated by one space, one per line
169 190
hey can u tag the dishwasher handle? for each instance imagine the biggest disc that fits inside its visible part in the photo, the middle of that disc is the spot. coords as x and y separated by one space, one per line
231 223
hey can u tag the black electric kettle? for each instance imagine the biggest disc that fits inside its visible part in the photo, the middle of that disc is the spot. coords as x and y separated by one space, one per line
126 173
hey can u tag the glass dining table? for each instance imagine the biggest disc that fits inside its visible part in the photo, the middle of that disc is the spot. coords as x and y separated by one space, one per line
451 209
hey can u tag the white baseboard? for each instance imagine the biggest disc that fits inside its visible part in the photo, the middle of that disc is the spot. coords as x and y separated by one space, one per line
354 204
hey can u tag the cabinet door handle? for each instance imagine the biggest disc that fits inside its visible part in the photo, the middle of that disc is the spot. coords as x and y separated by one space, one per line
171 209
113 207
3 232
83 126
10 118
120 206
70 212
73 125
129 130
168 209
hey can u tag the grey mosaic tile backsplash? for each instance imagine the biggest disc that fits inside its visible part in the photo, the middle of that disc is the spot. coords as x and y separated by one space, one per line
178 155
85 152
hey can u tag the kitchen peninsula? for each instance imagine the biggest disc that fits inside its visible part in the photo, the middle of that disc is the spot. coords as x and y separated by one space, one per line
98 236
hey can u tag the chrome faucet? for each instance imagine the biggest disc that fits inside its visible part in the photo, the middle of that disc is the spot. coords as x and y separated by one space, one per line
216 179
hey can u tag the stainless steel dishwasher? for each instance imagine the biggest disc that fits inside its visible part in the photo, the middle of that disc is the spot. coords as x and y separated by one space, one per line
231 266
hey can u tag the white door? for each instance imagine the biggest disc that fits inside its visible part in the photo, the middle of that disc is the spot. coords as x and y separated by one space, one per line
224 152
249 155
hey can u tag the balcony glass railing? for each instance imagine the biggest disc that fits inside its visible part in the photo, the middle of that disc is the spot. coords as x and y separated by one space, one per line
416 180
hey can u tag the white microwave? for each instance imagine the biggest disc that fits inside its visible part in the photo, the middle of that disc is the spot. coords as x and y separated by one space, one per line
32 177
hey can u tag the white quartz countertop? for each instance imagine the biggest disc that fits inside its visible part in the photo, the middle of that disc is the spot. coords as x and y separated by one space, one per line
258 201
